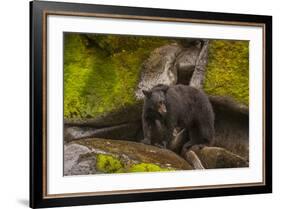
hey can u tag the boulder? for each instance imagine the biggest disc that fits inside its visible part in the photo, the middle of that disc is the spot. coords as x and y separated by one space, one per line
95 155
72 162
159 68
217 157
171 64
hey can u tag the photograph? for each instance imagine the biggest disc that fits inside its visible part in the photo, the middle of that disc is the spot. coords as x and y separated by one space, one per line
135 103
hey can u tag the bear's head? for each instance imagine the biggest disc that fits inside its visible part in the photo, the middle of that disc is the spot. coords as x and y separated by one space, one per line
155 99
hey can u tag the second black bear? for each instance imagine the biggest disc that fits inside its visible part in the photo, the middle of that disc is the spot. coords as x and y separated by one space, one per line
174 107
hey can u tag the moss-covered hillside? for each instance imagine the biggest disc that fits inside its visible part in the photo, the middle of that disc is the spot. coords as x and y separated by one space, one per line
101 71
228 70
102 76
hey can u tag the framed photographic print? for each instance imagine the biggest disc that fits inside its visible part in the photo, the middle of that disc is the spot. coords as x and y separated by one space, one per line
139 104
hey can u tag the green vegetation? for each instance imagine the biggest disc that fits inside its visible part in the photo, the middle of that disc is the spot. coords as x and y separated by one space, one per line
110 164
228 70
101 72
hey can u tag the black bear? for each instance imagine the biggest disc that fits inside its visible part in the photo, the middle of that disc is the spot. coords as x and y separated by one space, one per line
174 107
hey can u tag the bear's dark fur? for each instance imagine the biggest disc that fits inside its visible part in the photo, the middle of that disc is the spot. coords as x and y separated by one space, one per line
175 107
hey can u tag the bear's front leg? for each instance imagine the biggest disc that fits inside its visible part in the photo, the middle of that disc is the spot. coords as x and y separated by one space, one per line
171 124
146 132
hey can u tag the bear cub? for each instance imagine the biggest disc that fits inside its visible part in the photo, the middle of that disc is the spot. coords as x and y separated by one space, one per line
168 108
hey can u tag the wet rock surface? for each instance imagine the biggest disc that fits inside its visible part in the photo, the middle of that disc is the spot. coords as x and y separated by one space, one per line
95 155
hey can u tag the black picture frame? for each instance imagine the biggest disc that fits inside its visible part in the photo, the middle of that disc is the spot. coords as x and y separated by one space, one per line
38 12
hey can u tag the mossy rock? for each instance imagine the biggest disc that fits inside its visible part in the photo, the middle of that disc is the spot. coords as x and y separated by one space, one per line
116 156
101 72
107 163
136 151
228 70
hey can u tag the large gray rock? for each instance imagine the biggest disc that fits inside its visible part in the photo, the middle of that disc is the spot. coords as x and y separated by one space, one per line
159 68
72 162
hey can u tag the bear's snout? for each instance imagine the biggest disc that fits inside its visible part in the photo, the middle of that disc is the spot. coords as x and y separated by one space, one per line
162 108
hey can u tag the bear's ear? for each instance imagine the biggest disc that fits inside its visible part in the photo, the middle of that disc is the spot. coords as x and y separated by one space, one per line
146 93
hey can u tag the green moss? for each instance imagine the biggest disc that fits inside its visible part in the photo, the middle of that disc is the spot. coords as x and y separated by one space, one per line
109 164
100 78
147 167
228 70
